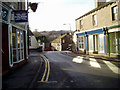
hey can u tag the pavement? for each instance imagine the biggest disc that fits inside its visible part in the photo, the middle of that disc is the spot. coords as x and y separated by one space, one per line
25 76
114 59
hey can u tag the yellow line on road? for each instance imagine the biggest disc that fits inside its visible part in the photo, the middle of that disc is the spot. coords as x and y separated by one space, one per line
46 71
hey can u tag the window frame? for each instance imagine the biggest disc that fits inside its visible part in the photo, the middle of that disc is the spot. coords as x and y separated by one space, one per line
81 24
94 19
81 42
114 14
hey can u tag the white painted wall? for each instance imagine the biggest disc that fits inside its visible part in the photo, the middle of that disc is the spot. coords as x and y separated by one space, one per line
34 43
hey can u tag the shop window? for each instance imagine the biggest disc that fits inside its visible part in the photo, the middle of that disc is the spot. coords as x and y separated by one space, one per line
115 13
101 43
90 43
14 44
115 43
81 42
18 45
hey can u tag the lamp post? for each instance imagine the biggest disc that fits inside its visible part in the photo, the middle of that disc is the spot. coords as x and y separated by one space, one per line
33 7
69 26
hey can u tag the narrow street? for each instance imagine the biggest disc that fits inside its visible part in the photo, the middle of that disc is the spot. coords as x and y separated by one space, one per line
55 69
69 72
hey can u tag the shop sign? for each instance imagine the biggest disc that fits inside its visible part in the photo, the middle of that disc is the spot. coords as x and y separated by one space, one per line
4 14
21 16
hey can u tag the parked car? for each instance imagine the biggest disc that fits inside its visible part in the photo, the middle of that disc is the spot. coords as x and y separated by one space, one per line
69 47
48 49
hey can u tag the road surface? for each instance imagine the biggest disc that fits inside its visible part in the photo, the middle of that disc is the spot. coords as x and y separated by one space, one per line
79 72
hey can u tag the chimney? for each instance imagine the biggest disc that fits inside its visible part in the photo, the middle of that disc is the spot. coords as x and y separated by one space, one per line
99 2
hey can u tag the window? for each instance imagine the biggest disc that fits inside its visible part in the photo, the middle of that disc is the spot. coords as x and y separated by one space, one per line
115 13
63 41
90 38
95 41
95 20
18 45
81 42
81 24
115 43
101 43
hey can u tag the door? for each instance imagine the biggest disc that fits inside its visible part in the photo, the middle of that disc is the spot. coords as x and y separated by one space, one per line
95 43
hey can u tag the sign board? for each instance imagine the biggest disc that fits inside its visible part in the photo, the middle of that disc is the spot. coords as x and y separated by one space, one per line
4 14
21 16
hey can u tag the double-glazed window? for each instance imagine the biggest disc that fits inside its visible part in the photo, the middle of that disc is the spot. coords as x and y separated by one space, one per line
115 13
94 20
81 42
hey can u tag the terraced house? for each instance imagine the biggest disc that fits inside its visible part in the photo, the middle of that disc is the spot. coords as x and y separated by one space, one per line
98 31
14 36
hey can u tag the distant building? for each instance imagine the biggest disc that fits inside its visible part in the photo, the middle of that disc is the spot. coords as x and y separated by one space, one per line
98 31
33 44
14 37
62 42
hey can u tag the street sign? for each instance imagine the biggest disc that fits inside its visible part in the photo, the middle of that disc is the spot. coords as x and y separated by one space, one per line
21 16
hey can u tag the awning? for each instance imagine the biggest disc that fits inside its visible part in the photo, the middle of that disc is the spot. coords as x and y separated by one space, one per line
90 32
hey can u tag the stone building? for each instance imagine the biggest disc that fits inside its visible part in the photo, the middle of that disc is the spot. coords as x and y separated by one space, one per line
62 42
98 31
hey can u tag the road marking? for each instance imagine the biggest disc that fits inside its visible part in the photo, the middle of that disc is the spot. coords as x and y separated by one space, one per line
114 68
94 63
46 71
78 59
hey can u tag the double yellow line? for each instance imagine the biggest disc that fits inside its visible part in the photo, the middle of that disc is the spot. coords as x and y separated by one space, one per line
46 70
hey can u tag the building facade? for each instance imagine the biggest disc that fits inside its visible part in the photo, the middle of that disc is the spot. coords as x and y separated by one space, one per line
98 31
14 37
62 42
33 44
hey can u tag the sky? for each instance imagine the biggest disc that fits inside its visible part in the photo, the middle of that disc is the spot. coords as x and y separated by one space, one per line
58 14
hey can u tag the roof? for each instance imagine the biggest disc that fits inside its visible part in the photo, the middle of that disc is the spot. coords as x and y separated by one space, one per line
30 33
59 38
98 8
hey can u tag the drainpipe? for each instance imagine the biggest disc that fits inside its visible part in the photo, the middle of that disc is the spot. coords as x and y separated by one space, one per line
77 44
86 42
108 42
105 51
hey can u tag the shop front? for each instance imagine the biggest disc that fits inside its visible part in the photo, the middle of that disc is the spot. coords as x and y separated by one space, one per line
114 42
14 42
92 42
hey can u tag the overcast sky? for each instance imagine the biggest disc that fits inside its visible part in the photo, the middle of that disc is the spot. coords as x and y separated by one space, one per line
52 14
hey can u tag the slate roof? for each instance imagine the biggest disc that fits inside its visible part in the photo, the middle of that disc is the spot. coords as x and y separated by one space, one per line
54 41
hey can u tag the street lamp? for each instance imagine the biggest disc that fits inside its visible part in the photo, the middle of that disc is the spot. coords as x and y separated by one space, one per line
69 25
33 7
